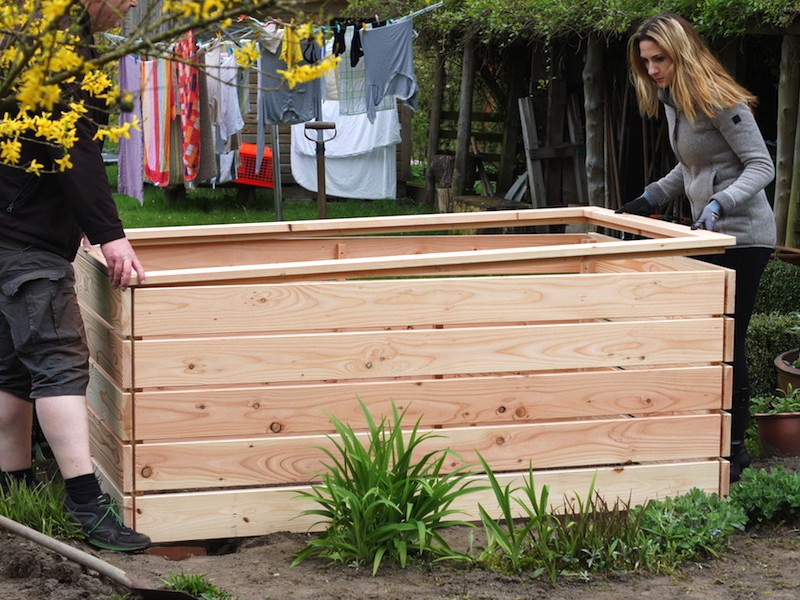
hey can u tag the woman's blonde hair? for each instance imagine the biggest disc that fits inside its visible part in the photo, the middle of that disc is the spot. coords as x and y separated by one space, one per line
699 81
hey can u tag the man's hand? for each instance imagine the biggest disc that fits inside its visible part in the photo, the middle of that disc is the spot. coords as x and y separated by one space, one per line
122 261
709 217
641 206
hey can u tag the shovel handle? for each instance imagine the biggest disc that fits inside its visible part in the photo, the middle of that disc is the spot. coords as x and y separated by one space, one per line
79 556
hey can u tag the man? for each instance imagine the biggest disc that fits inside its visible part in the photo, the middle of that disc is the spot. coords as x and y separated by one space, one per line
44 359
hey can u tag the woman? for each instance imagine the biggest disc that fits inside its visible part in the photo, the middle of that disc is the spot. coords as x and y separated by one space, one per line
723 168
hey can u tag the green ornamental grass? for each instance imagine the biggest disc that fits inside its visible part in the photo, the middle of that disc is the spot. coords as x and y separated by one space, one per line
384 497
197 585
40 508
589 535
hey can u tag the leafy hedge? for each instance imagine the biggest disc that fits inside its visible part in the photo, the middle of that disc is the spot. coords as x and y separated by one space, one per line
779 289
775 312
768 336
502 22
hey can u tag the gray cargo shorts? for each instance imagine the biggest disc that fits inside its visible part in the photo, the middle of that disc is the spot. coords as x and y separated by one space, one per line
43 350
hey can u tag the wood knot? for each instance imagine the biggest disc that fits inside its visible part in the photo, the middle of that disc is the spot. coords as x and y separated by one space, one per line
147 472
275 427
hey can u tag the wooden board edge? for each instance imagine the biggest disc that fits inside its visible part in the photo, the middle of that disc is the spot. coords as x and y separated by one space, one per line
251 512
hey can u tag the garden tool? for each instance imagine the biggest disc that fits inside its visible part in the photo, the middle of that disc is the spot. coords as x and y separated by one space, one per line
319 127
89 561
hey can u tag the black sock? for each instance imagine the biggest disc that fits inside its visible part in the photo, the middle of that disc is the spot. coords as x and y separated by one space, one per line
25 476
83 488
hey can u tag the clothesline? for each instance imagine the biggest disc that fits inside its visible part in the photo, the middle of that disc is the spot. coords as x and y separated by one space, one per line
117 39
324 28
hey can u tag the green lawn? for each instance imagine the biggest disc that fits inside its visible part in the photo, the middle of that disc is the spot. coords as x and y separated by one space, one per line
206 206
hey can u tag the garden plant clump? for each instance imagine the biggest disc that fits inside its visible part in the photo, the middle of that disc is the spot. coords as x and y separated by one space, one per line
380 501
379 504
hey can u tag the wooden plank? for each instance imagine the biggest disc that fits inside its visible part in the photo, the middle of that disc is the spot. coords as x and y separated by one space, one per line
654 263
251 512
728 336
281 250
560 151
113 456
110 351
388 266
110 403
95 292
302 409
363 271
483 136
432 222
324 305
411 353
672 263
298 459
481 117
123 502
671 239
530 139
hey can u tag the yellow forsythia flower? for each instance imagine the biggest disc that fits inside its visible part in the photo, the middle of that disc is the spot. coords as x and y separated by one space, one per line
10 151
63 163
34 167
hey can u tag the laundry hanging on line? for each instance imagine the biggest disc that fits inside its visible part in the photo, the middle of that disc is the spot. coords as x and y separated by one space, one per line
175 136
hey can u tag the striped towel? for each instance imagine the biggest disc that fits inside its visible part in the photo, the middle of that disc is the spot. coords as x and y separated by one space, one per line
157 112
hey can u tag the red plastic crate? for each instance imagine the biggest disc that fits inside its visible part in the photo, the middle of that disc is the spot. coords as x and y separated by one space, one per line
246 173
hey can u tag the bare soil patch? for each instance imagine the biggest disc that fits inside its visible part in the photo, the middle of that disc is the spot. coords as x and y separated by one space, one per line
758 564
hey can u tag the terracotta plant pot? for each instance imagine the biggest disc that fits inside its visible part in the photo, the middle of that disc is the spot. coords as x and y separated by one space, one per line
779 433
788 254
787 374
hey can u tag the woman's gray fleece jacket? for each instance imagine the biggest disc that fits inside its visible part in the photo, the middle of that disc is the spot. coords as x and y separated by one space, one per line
724 158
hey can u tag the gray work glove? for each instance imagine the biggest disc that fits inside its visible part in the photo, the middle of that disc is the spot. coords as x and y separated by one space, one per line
709 217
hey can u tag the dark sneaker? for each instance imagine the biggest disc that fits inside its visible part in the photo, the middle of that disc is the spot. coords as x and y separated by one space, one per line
103 527
739 459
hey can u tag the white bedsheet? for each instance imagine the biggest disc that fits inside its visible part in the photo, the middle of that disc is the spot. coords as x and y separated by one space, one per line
360 162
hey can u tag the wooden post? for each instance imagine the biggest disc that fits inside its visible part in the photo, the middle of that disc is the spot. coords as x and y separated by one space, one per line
555 181
404 154
511 129
594 107
792 237
464 118
788 94
434 124
531 142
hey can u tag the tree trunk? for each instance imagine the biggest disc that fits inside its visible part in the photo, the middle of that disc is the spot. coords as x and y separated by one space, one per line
464 127
792 235
788 90
594 107
511 129
434 125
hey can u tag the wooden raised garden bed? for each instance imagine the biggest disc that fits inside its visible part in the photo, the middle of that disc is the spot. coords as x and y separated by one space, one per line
578 353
